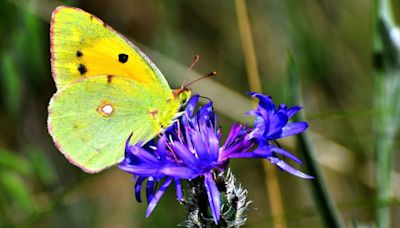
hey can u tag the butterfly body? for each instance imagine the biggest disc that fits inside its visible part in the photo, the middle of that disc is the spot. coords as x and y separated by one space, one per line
106 90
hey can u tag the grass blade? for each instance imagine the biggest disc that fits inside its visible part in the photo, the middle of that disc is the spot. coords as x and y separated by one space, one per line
323 200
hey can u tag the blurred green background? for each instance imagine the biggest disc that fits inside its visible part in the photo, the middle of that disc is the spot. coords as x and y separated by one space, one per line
349 75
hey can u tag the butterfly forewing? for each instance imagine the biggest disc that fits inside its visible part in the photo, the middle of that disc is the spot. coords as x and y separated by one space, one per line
83 46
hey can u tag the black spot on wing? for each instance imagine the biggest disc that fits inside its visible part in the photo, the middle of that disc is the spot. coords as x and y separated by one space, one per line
123 58
82 69
79 54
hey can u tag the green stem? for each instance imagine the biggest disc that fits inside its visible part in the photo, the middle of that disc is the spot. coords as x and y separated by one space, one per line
387 81
322 198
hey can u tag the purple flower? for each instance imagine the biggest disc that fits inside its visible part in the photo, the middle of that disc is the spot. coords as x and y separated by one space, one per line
191 148
150 162
271 123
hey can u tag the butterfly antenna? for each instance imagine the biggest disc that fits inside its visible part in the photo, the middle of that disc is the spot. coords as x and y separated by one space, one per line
201 78
207 98
195 60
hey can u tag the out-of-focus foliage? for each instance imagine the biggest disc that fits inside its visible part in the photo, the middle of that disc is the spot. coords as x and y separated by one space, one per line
331 41
19 176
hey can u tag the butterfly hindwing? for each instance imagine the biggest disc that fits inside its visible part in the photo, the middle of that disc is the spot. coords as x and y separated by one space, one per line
91 134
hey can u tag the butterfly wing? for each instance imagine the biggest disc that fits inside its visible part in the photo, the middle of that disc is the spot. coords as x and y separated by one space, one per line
84 46
106 89
90 119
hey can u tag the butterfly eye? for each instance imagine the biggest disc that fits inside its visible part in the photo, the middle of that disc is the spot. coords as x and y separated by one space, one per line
184 96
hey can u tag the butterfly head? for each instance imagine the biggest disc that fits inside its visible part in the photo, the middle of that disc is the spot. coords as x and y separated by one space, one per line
183 95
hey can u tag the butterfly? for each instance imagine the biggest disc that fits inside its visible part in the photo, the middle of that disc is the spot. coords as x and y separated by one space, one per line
106 89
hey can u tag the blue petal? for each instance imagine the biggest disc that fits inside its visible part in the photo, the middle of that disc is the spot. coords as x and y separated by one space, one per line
127 144
178 187
150 189
213 196
260 126
182 172
199 146
130 157
283 165
244 155
161 147
278 120
265 101
143 170
191 105
186 135
262 151
293 129
293 110
265 152
185 155
285 153
157 196
264 121
213 145
205 113
142 154
138 188
282 107
232 135
252 113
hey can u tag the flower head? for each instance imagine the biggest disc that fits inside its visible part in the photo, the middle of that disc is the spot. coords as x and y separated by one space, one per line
191 148
271 123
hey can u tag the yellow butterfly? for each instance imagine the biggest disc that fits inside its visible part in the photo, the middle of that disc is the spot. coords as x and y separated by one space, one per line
106 89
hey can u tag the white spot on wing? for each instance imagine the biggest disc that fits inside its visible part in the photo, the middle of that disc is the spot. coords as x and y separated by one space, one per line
107 109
